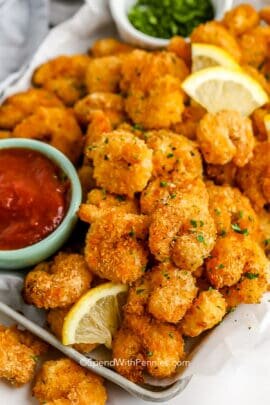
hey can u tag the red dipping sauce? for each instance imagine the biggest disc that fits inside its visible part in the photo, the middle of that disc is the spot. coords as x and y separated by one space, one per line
34 197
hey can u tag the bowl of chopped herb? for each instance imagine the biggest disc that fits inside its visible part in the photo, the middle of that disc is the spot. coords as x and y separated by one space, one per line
151 23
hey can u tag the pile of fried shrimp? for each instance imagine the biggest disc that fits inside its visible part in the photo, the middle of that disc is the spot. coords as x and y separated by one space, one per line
176 200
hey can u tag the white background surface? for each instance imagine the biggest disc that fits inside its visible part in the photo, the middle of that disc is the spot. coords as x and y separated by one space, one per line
248 385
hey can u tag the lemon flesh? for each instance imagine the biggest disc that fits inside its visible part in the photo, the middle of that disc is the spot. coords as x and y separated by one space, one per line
96 316
205 56
218 89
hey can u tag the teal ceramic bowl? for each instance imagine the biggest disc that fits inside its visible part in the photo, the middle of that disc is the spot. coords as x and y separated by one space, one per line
30 255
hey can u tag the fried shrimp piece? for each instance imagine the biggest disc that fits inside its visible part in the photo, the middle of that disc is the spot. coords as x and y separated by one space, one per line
115 246
87 181
241 19
228 259
253 282
100 124
254 178
4 134
258 123
108 47
111 104
222 174
104 74
207 311
232 210
174 155
55 319
166 293
21 105
224 137
191 117
58 283
183 229
215 33
122 163
157 193
64 380
64 76
264 14
254 47
181 48
152 85
258 76
143 344
18 354
56 126
100 203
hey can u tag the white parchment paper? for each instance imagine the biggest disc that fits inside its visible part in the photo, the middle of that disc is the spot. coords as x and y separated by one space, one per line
243 330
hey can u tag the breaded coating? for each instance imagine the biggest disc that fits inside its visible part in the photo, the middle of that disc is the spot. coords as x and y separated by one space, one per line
207 311
58 283
85 173
21 105
264 14
56 126
111 104
264 225
181 48
55 319
226 136
115 248
254 178
254 47
152 85
64 76
157 193
109 46
222 174
174 155
215 33
228 259
258 75
165 292
65 380
253 282
100 203
100 124
104 74
19 351
4 134
183 229
145 344
191 117
231 210
241 19
259 128
122 163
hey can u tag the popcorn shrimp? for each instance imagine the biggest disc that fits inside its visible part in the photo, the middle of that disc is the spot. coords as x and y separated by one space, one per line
181 48
207 311
157 193
224 137
58 283
19 351
165 292
222 174
111 104
64 381
21 105
254 178
159 346
264 14
191 117
108 47
64 76
104 74
115 246
214 33
183 229
122 163
56 126
241 19
254 47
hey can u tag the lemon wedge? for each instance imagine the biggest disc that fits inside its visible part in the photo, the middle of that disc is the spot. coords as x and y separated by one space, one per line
205 56
267 125
96 316
217 89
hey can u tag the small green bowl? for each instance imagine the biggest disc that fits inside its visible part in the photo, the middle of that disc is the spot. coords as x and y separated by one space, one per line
30 255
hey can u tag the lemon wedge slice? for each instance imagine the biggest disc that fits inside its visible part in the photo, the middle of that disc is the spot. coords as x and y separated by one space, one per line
96 316
219 89
267 125
205 56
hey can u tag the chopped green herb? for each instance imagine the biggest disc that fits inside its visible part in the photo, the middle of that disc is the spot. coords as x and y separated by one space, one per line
221 266
240 214
170 155
140 290
144 268
193 223
149 354
222 233
138 127
121 198
132 233
237 229
251 276
173 195
163 183
266 242
200 238
217 211
171 335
